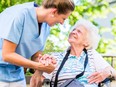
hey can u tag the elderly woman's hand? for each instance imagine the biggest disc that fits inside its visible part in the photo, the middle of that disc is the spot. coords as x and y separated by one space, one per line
98 77
48 62
47 59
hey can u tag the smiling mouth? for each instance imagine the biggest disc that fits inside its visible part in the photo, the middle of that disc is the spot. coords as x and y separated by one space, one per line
72 36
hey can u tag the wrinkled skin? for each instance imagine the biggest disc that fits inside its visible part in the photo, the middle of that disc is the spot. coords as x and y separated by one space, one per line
37 78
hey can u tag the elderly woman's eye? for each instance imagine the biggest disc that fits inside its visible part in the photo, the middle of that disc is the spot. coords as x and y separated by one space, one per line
73 29
78 31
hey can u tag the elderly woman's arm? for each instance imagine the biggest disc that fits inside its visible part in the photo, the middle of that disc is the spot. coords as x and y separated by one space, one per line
103 69
113 72
101 75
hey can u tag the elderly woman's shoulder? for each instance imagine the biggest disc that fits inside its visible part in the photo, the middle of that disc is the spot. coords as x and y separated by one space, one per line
58 54
93 51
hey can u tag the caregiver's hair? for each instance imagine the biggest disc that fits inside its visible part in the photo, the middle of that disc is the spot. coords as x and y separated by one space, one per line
63 6
92 35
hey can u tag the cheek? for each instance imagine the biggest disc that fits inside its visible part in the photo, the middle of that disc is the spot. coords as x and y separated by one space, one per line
57 19
69 39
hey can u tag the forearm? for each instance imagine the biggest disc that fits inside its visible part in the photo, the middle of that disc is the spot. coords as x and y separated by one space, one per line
110 71
9 55
113 72
36 56
16 59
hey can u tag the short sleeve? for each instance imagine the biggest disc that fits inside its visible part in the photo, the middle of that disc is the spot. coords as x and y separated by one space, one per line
46 29
11 26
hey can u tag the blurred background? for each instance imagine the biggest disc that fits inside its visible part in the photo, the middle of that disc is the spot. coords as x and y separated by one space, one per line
101 12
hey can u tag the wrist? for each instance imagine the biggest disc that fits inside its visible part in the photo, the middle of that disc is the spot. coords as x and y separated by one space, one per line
110 74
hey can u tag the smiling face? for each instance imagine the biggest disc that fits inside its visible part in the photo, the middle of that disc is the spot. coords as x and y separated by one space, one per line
55 18
78 36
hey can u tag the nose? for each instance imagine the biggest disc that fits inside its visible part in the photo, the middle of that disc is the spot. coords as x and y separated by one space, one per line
61 22
74 32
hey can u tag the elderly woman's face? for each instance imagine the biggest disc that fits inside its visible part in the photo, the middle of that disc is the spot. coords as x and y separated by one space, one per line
78 36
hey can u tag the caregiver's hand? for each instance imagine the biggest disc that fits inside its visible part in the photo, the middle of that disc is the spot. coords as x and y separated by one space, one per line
47 59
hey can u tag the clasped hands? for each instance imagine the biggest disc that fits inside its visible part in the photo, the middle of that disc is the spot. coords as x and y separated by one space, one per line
48 62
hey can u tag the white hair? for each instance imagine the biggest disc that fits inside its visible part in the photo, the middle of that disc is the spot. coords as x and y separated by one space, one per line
93 37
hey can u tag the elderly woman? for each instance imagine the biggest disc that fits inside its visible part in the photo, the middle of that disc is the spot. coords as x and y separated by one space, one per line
84 36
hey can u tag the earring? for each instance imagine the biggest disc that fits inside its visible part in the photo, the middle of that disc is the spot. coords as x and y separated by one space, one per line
52 15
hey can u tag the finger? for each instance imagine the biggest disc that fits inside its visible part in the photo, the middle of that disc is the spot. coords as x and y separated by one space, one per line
40 55
42 61
97 81
46 63
94 79
49 61
93 75
54 61
46 56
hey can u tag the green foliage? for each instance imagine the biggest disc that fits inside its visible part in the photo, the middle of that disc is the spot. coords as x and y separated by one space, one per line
102 46
7 3
51 47
113 22
86 9
28 73
55 31
90 11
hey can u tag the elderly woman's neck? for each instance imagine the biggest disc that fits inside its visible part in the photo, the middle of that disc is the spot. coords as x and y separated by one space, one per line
76 51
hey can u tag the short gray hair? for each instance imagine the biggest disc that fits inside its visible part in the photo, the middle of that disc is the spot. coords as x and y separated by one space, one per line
93 37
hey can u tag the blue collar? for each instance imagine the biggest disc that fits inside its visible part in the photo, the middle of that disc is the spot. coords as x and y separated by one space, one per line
35 4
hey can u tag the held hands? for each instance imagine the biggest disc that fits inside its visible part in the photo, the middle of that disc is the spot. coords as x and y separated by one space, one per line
47 59
48 62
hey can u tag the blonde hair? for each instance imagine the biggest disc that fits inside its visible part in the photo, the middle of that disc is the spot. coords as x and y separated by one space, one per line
63 6
93 37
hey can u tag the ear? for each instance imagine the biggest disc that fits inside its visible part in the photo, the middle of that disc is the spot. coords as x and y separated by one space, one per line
86 43
54 11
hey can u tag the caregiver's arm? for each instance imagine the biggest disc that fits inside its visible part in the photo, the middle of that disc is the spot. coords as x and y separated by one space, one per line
10 55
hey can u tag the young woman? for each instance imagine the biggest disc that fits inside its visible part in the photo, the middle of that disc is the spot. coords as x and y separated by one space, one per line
24 29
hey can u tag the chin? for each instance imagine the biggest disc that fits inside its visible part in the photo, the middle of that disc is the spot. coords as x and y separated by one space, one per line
69 40
51 25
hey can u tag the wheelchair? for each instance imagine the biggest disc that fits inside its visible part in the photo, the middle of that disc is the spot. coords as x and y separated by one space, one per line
106 82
